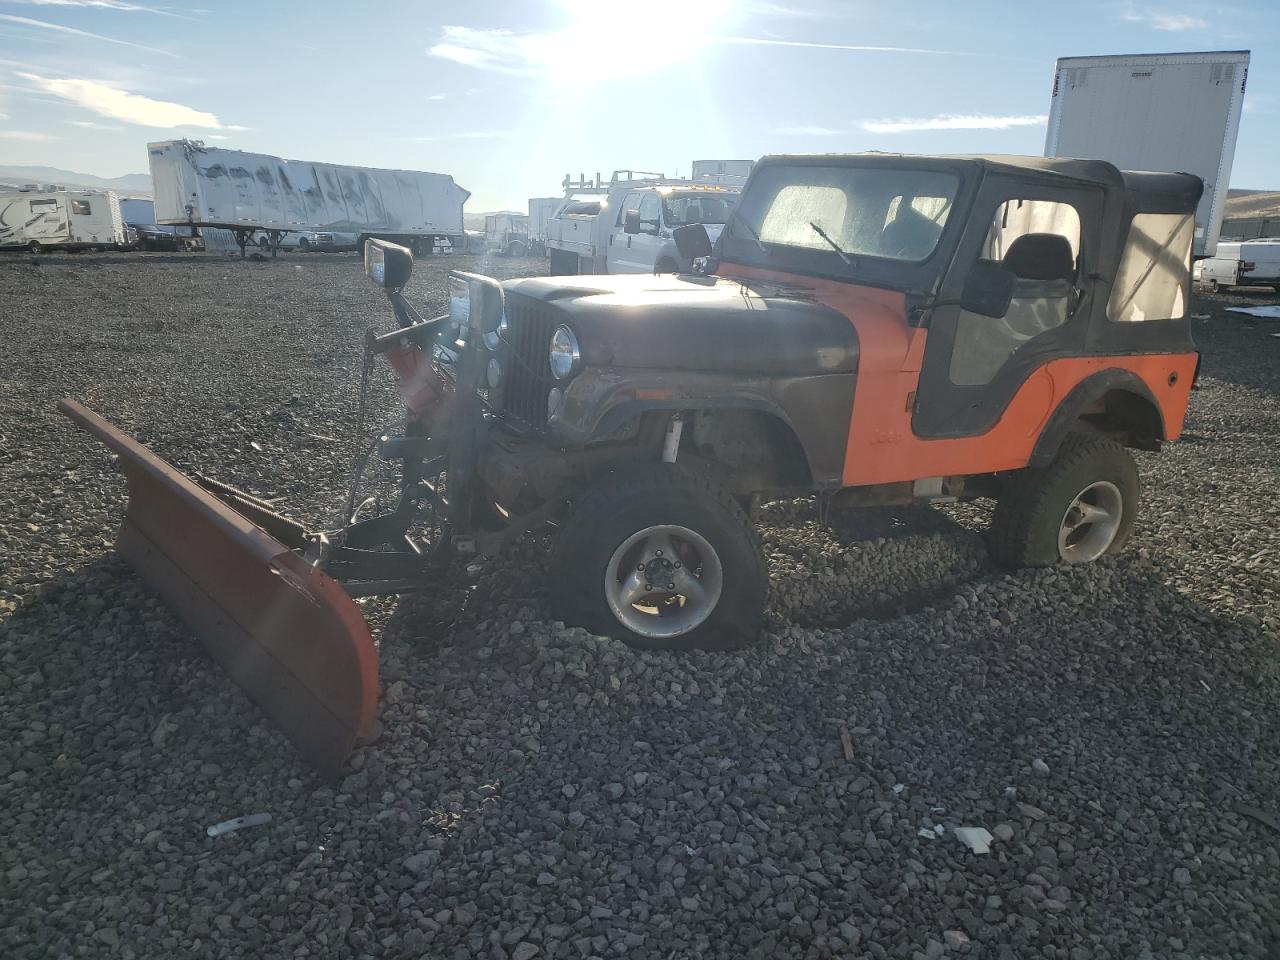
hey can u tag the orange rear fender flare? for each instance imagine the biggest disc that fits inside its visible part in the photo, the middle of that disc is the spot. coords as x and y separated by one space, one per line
1077 402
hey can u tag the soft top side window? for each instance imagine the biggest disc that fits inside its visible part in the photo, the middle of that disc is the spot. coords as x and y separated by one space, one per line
1154 270
1018 218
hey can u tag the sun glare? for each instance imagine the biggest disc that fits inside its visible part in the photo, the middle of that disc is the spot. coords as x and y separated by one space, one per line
676 32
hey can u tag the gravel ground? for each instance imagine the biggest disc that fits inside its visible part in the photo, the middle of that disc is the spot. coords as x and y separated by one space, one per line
540 792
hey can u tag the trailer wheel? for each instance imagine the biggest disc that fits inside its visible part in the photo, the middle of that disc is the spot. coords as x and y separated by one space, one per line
661 559
1077 509
514 249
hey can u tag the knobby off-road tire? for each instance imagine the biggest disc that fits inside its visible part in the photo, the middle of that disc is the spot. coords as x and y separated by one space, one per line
680 528
1077 509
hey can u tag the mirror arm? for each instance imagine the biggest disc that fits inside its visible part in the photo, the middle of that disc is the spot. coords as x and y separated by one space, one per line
406 316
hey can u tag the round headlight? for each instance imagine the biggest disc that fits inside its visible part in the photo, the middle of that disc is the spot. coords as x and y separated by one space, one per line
565 355
493 339
494 371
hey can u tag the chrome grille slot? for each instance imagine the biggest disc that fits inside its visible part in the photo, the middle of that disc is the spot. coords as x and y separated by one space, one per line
529 380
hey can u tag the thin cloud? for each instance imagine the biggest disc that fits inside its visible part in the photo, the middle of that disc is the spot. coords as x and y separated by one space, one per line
4 116
72 31
809 131
98 4
120 6
851 47
93 125
26 135
436 96
1170 21
464 135
118 104
500 50
952 121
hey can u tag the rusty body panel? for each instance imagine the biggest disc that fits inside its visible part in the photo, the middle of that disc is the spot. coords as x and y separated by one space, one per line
285 631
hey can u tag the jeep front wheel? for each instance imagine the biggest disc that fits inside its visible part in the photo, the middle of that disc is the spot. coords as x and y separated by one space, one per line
662 559
1077 509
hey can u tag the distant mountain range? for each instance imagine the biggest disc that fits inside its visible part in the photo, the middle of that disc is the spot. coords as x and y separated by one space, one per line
136 184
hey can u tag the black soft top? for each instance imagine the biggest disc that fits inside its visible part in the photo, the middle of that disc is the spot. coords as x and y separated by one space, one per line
1144 191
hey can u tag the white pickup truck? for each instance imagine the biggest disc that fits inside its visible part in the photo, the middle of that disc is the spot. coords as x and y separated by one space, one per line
629 229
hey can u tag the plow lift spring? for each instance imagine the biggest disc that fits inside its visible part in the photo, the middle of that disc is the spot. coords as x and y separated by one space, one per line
230 567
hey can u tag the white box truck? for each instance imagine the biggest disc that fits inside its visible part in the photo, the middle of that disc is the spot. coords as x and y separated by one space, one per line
52 218
1241 263
1167 112
250 193
721 171
541 210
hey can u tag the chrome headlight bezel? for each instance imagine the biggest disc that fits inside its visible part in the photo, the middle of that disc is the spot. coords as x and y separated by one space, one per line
565 353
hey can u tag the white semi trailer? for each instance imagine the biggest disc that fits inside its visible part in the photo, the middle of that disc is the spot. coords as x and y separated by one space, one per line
250 193
1169 112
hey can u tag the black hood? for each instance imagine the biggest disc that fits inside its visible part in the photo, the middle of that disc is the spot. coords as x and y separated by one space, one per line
693 323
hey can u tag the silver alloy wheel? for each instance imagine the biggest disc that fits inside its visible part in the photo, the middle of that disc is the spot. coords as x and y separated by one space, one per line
1091 523
663 581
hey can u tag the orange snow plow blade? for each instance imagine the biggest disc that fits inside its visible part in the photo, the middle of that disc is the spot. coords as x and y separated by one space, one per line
285 631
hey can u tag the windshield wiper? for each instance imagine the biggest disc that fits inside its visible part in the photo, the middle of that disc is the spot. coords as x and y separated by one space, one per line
832 244
751 230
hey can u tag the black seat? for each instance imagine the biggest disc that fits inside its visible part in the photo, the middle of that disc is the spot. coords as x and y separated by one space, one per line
1041 256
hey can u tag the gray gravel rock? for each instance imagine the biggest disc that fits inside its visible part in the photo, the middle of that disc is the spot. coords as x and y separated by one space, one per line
543 792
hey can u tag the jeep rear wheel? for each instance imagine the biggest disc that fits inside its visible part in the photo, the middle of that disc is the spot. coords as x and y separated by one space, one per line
662 559
1077 509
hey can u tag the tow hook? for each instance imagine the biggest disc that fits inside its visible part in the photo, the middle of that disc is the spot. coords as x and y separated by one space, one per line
671 445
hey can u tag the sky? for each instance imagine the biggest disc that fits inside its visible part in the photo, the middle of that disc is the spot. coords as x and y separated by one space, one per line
508 97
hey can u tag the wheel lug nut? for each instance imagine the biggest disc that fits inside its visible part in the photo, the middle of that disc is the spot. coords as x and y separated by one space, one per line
677 564
648 586
640 568
671 586
657 553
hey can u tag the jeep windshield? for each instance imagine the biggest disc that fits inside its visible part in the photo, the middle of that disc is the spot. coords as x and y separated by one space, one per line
877 218
679 209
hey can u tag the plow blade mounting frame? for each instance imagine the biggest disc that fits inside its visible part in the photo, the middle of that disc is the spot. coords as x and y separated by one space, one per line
284 630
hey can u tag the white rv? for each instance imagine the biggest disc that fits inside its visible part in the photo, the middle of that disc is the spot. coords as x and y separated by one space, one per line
56 219
1170 112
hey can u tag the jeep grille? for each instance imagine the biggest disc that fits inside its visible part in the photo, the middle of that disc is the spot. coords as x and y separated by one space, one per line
529 380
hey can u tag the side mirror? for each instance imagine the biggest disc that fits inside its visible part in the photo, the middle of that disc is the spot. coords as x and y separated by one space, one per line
631 221
388 265
692 241
988 289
